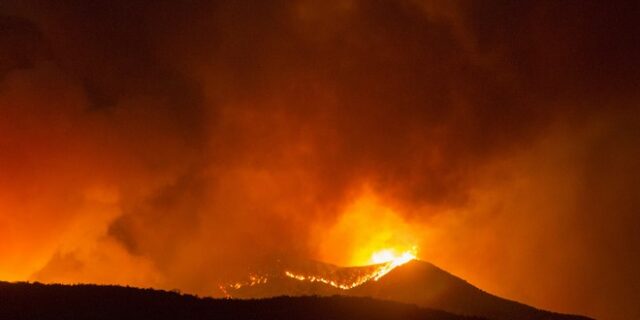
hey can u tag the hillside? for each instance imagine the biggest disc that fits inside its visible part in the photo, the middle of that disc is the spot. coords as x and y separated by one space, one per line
23 301
424 284
416 282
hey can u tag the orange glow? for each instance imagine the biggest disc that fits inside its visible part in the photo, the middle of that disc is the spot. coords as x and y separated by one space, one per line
375 274
197 145
387 255
333 283
369 232
391 262
252 281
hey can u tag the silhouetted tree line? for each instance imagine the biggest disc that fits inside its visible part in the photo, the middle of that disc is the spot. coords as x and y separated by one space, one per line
74 302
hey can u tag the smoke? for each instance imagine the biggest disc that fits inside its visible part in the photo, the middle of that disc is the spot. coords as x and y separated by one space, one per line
177 144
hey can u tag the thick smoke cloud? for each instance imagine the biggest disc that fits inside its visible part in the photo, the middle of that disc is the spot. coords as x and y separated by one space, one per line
175 144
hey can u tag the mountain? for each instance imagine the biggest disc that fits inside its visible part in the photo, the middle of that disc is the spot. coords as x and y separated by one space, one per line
24 301
288 290
416 282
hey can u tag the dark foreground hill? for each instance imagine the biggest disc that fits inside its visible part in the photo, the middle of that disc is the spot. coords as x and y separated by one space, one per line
24 301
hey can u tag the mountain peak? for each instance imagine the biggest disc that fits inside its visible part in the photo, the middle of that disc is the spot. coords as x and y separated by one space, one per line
416 282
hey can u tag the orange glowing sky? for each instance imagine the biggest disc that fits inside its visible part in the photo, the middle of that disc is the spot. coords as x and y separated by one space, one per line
176 144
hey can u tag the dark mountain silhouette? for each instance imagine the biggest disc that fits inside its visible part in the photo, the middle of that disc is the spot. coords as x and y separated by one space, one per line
24 301
416 282
424 284
415 290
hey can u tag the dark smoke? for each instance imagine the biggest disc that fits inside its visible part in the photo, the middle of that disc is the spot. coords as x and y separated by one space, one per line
191 139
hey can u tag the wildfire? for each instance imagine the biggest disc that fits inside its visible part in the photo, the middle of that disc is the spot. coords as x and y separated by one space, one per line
371 250
392 260
387 260
332 283
388 255
368 231
384 262
252 281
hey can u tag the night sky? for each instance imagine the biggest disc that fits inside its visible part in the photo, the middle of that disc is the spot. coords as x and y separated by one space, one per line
176 144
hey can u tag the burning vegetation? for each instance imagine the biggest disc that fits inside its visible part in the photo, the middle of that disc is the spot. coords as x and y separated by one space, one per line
178 144
341 278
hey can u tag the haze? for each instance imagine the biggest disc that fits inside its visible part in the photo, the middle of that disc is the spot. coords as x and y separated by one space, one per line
178 144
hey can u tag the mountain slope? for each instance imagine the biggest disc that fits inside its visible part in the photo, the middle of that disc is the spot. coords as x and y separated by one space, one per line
416 282
23 301
424 284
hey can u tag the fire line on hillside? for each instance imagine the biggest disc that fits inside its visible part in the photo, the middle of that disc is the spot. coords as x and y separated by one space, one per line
379 270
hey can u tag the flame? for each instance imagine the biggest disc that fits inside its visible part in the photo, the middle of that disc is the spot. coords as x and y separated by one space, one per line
392 256
387 255
369 233
387 259
253 280
367 226
393 261
330 282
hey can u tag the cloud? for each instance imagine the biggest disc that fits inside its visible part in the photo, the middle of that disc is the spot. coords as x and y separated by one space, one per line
193 139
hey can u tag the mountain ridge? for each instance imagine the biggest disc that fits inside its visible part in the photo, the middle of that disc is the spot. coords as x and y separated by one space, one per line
416 282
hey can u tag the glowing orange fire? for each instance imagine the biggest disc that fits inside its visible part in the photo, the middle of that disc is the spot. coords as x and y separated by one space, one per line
391 260
253 280
387 255
386 258
330 282
368 234
368 231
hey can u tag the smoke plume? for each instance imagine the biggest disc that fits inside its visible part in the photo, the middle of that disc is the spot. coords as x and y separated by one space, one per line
177 144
